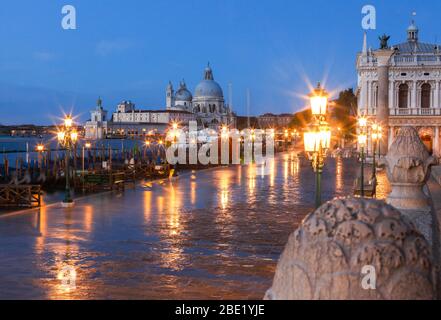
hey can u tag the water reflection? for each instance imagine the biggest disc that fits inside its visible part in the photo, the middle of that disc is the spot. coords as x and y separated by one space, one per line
208 234
339 174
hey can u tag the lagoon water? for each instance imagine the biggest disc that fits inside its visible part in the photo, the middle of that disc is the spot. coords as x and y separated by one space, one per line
212 234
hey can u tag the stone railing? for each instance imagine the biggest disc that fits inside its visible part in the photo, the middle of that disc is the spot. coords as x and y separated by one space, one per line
404 112
415 112
416 60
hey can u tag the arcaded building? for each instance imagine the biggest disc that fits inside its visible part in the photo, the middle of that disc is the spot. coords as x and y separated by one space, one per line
399 85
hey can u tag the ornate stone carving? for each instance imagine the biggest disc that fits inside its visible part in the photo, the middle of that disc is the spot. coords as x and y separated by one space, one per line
408 169
324 258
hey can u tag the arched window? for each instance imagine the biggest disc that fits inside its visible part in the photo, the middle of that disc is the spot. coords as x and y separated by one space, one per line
425 95
403 93
376 95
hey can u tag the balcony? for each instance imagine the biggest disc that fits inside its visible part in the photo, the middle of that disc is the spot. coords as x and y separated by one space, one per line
405 112
415 112
415 60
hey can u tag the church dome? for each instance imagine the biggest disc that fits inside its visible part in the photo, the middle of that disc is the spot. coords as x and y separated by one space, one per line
208 87
183 94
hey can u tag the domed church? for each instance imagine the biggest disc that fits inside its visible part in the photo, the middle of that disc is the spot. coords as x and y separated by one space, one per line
207 104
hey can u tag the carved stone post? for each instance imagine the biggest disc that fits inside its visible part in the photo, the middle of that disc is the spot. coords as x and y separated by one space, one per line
354 249
408 169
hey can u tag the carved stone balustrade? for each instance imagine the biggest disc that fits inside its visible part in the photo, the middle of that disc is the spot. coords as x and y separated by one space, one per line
327 256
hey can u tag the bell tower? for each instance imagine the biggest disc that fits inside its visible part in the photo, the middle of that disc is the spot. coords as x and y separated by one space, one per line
170 96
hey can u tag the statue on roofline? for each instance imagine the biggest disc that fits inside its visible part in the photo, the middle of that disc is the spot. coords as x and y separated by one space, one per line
383 41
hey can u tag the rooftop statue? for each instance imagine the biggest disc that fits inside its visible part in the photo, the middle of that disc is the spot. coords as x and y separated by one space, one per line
383 41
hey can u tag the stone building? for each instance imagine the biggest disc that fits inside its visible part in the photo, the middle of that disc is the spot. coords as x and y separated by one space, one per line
399 85
96 127
129 121
208 103
270 120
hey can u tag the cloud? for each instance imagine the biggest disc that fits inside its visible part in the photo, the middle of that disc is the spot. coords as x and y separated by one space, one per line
108 47
43 56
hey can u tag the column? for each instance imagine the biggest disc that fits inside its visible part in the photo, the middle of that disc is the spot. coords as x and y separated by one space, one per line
391 94
391 135
436 98
369 96
365 94
413 102
383 57
436 148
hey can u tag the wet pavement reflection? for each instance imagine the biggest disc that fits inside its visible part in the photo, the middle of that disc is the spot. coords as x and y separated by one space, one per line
212 234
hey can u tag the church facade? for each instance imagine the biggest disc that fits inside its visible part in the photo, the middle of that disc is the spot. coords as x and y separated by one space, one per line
399 85
207 107
207 104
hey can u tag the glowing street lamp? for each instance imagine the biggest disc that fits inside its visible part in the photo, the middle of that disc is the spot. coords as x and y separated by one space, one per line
87 145
68 121
319 101
377 135
67 137
318 139
40 150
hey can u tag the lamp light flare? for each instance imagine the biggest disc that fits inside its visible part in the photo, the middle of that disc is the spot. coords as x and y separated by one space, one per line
319 101
61 135
68 121
40 148
88 145
74 136
362 140
362 122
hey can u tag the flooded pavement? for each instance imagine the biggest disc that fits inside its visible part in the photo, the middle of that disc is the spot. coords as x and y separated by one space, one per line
214 234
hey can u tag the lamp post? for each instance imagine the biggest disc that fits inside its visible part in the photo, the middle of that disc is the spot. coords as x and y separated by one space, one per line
318 139
87 145
376 136
67 137
40 150
362 141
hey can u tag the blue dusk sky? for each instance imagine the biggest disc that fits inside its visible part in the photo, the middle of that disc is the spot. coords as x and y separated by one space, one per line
129 50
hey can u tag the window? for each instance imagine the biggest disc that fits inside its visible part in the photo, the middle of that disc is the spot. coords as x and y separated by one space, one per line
425 95
403 92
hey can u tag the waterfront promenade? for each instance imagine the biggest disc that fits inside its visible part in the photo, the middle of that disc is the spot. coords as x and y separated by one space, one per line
211 234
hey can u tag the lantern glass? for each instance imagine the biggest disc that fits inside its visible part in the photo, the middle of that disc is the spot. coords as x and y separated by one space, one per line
61 135
318 105
325 138
68 121
74 136
311 140
362 122
362 139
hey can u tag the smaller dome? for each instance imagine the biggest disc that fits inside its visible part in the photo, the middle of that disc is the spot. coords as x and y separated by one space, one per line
412 27
183 94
